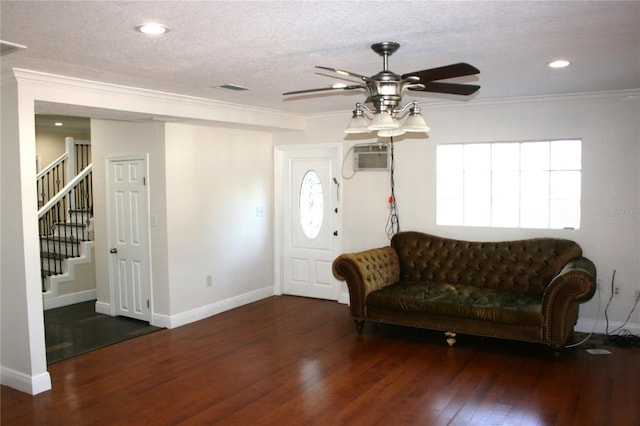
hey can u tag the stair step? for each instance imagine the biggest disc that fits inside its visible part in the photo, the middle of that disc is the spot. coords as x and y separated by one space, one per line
75 230
80 215
53 255
55 243
44 273
59 238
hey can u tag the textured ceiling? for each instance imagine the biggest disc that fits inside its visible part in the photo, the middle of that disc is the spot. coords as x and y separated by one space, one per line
271 47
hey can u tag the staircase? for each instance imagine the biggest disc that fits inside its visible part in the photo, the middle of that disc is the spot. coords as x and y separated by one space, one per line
64 242
65 216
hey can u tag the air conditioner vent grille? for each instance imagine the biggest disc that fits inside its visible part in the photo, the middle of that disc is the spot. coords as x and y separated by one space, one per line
371 157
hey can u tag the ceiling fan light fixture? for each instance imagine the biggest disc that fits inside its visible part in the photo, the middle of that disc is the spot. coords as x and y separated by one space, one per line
415 122
385 90
389 133
359 122
383 120
358 125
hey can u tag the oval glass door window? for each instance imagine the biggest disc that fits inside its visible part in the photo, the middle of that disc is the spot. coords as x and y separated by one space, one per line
311 207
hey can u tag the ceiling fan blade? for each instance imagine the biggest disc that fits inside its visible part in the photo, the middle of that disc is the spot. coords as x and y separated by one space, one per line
321 89
448 71
342 72
452 88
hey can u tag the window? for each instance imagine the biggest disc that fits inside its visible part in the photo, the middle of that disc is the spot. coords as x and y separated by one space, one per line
512 184
311 206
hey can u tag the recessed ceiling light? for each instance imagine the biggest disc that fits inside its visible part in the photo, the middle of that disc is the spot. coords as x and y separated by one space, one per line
560 63
152 28
58 123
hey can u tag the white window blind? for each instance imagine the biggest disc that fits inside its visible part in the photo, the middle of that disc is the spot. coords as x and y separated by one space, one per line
510 184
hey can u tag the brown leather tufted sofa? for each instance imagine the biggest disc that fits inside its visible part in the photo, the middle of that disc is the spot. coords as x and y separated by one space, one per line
525 290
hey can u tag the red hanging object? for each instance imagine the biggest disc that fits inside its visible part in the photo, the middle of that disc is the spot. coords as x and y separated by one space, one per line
390 199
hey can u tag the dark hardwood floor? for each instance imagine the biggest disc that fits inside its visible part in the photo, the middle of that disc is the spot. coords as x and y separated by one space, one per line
295 361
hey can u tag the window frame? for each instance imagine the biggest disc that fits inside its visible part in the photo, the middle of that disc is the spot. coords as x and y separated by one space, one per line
466 184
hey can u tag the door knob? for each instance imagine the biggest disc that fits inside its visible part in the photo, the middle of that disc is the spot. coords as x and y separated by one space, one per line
335 233
113 250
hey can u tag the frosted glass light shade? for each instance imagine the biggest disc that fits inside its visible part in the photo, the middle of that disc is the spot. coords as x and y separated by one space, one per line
415 123
383 121
387 133
358 125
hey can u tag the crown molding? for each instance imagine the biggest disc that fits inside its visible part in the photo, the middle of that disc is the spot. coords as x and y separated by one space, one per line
266 117
630 94
295 121
622 95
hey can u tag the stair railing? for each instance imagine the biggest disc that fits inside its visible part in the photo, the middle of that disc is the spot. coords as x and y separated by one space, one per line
51 179
56 175
62 222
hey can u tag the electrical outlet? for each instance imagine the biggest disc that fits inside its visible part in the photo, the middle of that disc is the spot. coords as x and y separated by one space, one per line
209 280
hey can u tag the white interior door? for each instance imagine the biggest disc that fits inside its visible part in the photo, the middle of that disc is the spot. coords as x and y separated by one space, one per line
311 220
129 238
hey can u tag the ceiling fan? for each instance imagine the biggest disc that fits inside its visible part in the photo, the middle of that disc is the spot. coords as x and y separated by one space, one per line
385 89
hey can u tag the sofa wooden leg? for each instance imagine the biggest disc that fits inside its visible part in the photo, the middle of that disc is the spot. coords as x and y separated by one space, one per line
359 326
451 337
557 350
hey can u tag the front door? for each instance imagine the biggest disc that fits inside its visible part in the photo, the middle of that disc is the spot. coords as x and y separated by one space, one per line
311 215
129 238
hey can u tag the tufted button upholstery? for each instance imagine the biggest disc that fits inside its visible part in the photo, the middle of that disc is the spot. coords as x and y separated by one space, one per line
526 290
523 266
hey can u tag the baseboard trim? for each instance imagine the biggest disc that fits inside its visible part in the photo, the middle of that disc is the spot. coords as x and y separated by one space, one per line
103 308
32 385
207 311
588 325
68 299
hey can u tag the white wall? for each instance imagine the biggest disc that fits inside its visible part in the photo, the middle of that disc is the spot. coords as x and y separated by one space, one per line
234 167
112 139
22 345
204 186
51 144
608 127
610 230
215 180
23 355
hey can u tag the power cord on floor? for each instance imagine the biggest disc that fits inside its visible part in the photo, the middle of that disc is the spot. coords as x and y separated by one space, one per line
620 336
595 324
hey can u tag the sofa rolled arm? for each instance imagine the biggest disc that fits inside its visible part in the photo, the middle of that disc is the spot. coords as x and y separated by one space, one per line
576 283
365 272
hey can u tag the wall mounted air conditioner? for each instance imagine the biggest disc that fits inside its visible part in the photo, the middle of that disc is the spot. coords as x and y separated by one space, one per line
372 156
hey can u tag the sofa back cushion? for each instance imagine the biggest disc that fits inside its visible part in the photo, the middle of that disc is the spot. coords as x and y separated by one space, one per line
523 266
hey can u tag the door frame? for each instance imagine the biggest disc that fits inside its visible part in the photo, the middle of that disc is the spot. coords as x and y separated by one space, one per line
280 178
108 160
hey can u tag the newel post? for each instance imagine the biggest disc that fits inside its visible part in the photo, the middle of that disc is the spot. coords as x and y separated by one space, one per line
70 147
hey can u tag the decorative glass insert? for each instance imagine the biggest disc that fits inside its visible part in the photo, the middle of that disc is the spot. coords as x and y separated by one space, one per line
311 206
514 184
